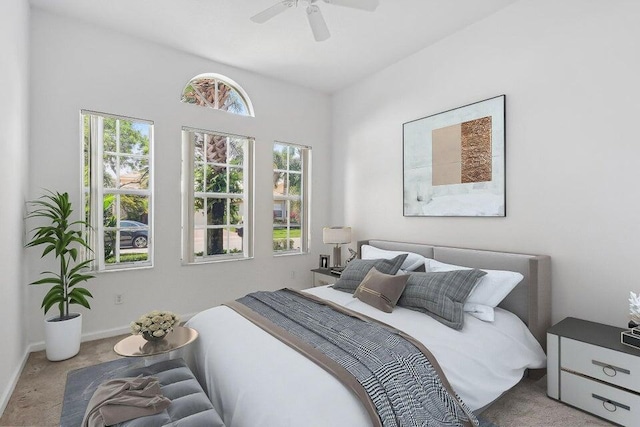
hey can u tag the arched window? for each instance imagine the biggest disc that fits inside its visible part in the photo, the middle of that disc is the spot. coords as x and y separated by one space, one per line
218 92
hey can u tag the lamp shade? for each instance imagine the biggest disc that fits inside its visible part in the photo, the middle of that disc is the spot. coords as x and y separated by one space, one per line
336 235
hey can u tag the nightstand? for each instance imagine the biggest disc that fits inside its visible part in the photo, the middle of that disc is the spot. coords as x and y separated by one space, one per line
588 367
324 276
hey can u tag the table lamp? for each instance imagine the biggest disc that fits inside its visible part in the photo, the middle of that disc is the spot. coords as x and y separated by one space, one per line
336 236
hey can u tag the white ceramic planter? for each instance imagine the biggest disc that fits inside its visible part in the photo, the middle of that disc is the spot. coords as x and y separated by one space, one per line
62 339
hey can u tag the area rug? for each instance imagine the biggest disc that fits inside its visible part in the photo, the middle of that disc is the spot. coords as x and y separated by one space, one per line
81 383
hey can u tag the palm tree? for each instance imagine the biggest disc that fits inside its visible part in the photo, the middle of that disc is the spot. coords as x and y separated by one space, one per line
213 93
218 149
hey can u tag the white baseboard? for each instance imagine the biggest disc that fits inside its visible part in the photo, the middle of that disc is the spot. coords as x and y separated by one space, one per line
107 333
11 386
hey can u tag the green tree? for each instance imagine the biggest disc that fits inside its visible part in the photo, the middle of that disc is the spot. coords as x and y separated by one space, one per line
133 143
216 152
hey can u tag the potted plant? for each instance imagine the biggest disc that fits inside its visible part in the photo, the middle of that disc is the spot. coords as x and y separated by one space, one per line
62 238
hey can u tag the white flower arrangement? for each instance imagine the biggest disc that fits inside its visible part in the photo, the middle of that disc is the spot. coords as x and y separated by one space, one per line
155 323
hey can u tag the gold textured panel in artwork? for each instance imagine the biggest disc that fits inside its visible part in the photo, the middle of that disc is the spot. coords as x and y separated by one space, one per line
446 155
476 150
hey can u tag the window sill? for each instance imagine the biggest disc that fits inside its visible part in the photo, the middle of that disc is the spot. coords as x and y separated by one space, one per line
216 261
281 254
124 268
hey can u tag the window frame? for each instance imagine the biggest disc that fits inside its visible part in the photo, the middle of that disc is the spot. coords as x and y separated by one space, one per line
304 198
93 195
219 78
188 196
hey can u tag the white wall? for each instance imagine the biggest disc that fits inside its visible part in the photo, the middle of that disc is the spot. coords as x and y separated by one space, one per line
570 72
77 66
14 37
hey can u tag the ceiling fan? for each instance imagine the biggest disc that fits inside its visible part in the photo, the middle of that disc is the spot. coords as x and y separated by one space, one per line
314 15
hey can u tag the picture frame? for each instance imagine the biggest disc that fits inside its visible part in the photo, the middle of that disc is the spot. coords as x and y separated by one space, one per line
324 261
454 162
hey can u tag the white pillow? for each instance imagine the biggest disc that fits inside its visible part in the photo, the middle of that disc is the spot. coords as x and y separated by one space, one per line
412 261
491 288
482 312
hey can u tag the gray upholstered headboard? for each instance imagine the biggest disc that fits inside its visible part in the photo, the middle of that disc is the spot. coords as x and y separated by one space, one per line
530 300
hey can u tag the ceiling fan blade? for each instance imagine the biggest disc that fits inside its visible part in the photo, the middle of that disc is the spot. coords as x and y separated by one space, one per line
274 10
317 23
368 5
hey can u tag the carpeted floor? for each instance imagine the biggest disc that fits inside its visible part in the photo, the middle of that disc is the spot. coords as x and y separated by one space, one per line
37 399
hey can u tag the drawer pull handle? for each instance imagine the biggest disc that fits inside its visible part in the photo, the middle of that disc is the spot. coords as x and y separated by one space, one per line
610 405
610 370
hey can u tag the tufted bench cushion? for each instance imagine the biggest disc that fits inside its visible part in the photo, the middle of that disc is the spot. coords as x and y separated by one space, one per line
190 406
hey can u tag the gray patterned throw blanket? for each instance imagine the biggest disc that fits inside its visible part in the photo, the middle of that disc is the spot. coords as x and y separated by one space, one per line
397 379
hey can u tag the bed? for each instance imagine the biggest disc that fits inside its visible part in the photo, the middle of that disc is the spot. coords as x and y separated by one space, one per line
253 379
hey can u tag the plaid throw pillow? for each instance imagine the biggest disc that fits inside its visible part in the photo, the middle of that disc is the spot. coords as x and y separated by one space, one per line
354 272
441 295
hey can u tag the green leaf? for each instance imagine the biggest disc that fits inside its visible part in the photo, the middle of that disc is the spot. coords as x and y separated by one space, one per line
80 266
47 280
47 250
54 296
41 241
83 291
55 291
78 278
78 298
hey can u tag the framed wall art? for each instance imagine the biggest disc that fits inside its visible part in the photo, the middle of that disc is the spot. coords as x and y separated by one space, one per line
454 162
324 261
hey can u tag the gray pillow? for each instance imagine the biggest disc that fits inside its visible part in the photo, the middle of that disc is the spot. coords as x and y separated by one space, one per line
441 295
381 290
355 271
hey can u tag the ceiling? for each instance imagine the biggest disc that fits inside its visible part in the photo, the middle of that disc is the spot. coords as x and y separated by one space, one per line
361 42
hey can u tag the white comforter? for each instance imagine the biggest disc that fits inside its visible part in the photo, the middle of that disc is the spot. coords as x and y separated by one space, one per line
255 380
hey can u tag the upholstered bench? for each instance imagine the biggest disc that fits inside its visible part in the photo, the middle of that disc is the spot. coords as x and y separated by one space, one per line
190 406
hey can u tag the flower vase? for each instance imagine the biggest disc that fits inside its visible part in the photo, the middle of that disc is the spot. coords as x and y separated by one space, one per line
150 337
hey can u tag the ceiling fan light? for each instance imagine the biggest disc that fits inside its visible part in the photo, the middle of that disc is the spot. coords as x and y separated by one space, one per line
317 23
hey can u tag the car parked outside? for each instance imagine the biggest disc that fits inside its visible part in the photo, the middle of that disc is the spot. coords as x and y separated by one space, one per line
133 234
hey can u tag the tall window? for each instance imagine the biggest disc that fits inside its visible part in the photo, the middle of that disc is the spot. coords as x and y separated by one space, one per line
118 190
218 199
217 92
290 198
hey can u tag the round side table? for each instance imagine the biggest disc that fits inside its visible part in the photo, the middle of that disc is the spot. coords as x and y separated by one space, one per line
136 346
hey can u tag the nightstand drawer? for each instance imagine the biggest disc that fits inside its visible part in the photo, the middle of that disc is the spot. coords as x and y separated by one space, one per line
323 276
604 364
600 399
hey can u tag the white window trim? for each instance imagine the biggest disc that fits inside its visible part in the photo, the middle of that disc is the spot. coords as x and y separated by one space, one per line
96 237
305 185
188 195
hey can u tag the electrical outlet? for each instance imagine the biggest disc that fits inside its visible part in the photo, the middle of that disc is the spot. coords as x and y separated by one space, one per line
119 299
292 275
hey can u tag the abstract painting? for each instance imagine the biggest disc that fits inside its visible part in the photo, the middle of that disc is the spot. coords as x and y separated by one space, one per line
454 162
